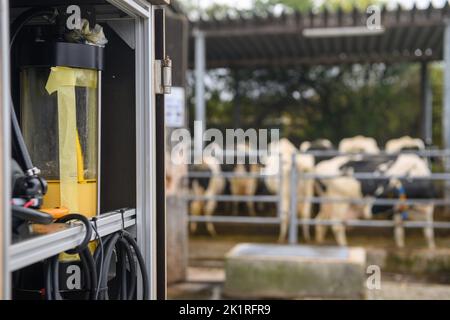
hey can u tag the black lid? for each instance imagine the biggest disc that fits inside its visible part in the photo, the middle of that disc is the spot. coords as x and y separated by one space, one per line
64 54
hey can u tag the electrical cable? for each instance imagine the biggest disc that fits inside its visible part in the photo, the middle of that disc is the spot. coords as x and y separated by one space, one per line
100 243
52 291
87 225
31 215
26 17
127 252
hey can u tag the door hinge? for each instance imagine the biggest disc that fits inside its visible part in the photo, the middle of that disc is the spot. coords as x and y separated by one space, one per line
163 76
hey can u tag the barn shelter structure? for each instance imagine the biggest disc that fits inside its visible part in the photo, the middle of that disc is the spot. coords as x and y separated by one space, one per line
327 38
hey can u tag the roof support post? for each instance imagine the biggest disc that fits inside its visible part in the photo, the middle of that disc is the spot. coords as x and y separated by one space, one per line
237 100
446 111
446 99
200 103
427 105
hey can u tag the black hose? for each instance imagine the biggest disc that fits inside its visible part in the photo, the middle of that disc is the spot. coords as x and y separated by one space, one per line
126 251
141 263
121 271
102 251
119 247
109 250
52 291
132 281
87 225
31 215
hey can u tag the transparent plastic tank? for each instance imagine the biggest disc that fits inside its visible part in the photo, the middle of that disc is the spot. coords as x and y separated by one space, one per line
42 130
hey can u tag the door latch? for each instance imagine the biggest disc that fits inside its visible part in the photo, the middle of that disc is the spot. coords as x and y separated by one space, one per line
163 76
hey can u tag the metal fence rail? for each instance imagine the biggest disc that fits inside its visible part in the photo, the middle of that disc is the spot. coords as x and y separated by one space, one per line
431 153
375 223
375 176
230 175
378 201
240 220
295 200
296 176
230 198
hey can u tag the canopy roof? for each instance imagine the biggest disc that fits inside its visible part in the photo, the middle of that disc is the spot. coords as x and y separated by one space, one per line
323 38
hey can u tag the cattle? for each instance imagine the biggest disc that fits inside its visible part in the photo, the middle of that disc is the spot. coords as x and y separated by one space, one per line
393 186
404 144
244 186
282 151
318 145
413 166
337 187
359 144
211 185
176 171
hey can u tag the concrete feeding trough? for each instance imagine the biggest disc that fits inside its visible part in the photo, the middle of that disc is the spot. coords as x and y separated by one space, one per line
256 271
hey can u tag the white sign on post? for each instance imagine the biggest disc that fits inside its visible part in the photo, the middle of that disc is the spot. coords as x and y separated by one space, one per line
175 108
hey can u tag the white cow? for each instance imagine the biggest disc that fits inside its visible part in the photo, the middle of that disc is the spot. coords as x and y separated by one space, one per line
208 186
359 144
245 186
176 170
283 151
404 143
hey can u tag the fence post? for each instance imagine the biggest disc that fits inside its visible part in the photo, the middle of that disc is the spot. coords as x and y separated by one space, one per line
293 221
280 187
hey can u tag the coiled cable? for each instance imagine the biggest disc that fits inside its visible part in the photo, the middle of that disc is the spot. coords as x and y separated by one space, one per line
126 251
119 247
52 291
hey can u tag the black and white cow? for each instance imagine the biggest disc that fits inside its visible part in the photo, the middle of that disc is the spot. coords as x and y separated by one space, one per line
405 143
347 187
318 145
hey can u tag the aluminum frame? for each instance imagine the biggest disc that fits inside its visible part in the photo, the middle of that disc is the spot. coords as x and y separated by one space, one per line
142 12
5 172
27 252
200 102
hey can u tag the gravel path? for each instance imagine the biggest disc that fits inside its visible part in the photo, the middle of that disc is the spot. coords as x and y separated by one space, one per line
410 291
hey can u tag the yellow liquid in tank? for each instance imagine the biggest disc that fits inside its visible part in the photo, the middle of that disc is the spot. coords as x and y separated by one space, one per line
87 197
